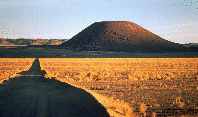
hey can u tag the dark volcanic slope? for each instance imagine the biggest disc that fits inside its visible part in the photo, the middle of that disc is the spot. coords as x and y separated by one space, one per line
120 36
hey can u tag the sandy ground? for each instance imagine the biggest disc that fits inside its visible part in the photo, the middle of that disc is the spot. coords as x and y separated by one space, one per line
30 94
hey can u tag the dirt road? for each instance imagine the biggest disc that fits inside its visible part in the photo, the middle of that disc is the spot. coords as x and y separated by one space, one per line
30 94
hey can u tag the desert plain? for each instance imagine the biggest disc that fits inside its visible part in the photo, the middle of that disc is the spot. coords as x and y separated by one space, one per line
124 86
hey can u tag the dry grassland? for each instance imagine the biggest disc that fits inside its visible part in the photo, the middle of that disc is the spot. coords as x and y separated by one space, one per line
116 68
147 85
10 66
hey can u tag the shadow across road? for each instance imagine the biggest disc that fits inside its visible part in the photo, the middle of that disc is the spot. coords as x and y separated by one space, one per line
31 94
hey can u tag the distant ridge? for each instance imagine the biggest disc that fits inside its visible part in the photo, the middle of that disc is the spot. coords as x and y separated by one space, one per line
5 43
120 36
26 42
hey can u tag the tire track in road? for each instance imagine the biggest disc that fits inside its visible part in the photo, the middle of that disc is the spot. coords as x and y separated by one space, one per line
30 94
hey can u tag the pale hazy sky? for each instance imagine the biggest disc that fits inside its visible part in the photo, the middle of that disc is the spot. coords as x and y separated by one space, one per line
173 20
